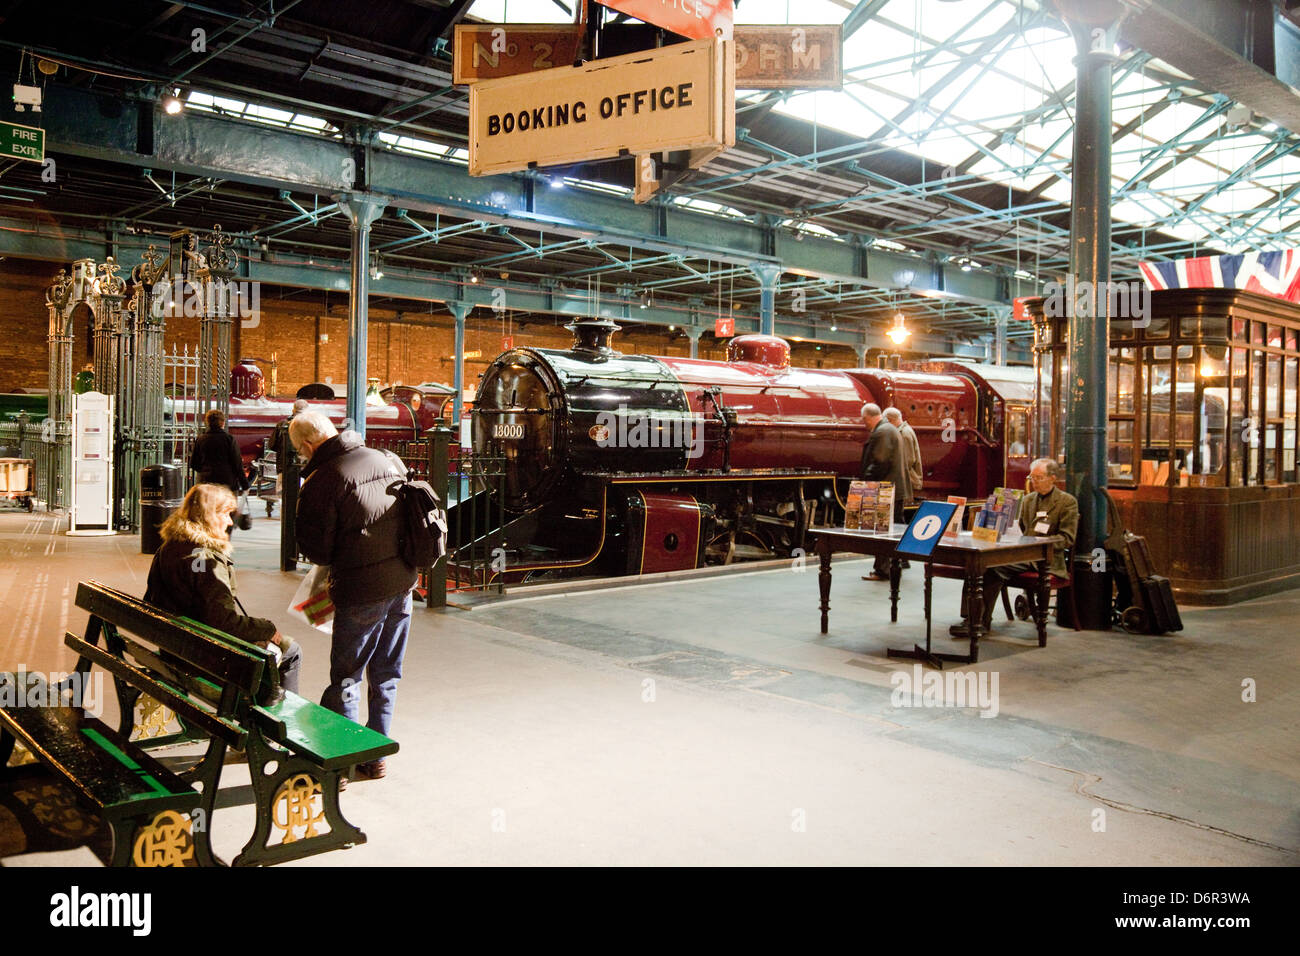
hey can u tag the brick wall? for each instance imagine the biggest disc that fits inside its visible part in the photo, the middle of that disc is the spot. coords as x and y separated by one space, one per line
309 340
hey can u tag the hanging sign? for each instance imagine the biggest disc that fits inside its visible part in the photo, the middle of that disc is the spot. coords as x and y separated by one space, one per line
724 326
22 142
697 19
485 51
789 57
673 98
768 57
507 343
1020 309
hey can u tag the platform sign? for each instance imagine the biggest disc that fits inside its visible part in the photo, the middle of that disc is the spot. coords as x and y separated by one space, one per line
487 51
790 57
768 57
724 326
22 142
926 528
697 19
680 97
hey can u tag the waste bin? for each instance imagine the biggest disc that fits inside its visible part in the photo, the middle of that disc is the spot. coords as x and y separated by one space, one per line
161 491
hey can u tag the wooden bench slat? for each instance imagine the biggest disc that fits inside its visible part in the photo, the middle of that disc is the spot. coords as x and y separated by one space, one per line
108 772
213 724
318 733
220 659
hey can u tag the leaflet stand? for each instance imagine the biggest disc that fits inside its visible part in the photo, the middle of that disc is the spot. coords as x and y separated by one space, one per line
91 512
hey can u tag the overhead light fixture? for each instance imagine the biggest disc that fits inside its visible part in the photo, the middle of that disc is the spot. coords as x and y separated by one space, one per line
833 327
171 103
376 268
899 332
475 275
645 298
27 97
557 182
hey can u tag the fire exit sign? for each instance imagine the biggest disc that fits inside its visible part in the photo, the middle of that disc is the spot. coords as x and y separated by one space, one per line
22 142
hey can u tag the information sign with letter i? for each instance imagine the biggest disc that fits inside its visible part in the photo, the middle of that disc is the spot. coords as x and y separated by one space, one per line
926 528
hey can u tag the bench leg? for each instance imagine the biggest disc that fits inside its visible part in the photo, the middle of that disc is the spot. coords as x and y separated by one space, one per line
166 839
296 800
207 773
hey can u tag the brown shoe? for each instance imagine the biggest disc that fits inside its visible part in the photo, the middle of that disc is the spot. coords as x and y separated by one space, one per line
374 770
343 784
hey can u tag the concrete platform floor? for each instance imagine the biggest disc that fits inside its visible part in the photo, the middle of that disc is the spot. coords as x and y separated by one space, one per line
708 722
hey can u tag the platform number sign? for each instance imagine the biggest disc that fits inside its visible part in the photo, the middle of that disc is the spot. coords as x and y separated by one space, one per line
926 528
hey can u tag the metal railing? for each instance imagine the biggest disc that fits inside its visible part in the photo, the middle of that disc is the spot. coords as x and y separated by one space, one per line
49 445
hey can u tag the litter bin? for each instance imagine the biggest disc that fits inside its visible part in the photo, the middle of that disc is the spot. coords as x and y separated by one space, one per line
161 491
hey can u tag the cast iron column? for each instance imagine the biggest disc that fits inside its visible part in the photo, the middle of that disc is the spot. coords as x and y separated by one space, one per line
768 273
459 310
694 334
361 212
1095 25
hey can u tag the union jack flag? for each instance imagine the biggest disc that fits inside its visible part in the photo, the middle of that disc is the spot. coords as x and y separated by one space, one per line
1267 273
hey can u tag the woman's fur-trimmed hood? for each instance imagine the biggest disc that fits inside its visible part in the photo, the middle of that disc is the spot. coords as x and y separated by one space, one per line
191 532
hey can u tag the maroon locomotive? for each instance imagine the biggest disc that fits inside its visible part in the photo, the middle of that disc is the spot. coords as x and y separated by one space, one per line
626 464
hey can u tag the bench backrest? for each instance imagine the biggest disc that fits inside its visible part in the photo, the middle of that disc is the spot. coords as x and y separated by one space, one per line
207 676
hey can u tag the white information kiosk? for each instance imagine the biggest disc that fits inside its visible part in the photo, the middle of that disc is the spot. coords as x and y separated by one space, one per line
92 465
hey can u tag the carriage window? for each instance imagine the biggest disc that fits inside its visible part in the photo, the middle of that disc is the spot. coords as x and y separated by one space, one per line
1017 432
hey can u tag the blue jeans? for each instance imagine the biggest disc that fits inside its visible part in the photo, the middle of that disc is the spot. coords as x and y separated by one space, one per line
369 640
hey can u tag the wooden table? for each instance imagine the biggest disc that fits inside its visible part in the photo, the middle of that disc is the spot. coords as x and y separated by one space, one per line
972 556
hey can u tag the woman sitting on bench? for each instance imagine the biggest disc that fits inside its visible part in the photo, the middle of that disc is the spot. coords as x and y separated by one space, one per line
192 575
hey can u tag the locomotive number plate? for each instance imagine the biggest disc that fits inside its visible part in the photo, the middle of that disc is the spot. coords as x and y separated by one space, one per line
507 430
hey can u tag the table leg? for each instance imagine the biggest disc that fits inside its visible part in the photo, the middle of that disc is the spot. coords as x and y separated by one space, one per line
1043 595
976 609
824 579
895 575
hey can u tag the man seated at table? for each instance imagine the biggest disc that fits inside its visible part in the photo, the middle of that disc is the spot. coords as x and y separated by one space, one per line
1044 511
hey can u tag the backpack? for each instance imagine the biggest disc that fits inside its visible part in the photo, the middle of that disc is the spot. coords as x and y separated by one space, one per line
423 538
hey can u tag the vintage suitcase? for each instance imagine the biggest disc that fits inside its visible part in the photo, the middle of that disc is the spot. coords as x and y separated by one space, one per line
1138 556
1162 612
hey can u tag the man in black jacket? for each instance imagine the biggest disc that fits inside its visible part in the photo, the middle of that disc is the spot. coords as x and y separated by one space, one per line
216 459
349 517
882 460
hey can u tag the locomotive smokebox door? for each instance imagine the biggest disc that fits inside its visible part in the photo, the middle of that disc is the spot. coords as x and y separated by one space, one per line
666 532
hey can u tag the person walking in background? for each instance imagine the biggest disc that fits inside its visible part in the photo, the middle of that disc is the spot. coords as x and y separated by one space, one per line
215 458
193 575
349 518
279 442
911 451
882 460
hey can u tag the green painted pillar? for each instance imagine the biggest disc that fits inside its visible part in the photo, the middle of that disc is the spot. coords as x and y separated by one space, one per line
1095 26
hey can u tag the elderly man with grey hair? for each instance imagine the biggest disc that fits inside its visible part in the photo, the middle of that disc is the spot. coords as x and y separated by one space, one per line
911 450
349 518
882 460
1046 510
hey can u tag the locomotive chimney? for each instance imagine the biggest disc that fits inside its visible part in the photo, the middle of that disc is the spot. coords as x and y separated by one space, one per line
593 335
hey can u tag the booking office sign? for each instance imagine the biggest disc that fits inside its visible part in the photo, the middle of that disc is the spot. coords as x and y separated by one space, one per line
680 97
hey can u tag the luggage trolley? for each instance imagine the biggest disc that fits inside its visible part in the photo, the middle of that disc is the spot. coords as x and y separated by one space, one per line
17 476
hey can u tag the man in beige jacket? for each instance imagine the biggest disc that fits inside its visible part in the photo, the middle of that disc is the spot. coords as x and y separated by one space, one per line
911 450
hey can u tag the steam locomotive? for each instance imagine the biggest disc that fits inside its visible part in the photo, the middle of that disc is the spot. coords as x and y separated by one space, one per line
627 464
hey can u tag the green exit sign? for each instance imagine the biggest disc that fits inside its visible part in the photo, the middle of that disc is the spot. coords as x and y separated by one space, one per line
22 142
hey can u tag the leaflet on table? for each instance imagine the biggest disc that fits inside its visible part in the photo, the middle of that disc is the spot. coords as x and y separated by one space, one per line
954 523
869 506
998 514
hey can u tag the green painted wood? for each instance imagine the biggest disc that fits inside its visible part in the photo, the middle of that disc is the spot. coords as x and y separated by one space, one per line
321 735
108 772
